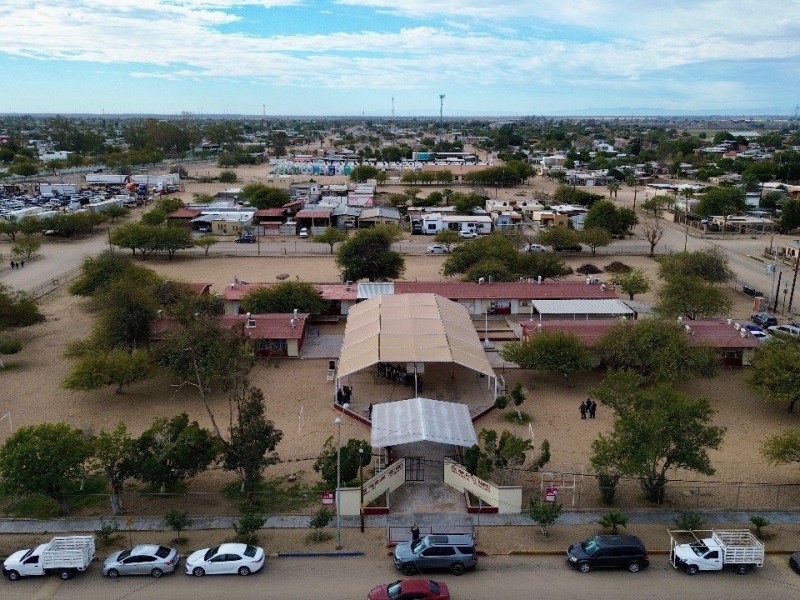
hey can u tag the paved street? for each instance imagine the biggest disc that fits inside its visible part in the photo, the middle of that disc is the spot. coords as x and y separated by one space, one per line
506 578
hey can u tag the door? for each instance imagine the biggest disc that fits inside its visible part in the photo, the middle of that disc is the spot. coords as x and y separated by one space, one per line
217 564
415 468
31 566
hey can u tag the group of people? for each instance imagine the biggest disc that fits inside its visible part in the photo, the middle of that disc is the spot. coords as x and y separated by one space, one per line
588 407
398 375
17 265
343 395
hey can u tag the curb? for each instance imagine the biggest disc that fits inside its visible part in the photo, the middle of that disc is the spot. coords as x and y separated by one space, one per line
318 554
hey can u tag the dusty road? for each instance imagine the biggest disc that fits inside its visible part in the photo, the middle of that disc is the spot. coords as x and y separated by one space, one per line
500 578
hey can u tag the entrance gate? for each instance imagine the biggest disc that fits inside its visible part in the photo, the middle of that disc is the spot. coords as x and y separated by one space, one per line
415 468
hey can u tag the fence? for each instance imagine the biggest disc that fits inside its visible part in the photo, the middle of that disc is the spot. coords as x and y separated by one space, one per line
55 283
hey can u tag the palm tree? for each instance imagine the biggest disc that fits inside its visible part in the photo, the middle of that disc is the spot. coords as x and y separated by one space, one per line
613 188
631 181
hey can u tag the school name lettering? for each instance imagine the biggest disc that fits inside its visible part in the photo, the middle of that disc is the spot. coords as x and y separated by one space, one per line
467 476
391 471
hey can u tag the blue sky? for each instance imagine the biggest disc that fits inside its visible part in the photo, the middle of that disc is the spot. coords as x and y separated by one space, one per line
350 57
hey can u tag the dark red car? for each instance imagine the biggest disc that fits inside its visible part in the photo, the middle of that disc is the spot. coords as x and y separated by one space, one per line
407 589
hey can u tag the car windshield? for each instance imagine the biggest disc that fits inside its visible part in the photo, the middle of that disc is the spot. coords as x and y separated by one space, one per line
434 585
394 589
699 548
211 552
590 547
418 546
123 555
250 551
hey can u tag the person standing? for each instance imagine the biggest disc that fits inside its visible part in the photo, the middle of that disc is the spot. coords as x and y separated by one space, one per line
414 533
370 411
592 409
582 408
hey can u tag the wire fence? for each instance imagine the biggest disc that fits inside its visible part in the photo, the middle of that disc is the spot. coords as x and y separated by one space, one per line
55 283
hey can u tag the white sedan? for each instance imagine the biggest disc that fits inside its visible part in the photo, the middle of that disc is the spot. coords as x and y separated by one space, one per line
437 249
225 559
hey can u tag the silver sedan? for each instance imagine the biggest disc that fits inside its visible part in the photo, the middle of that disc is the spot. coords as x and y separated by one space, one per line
145 559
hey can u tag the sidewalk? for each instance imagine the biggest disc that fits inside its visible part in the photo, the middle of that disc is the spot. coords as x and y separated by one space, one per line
439 521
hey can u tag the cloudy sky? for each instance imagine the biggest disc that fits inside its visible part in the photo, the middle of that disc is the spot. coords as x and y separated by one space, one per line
351 57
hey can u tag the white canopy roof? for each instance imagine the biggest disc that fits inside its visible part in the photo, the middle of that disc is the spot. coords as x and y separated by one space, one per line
419 420
407 328
581 307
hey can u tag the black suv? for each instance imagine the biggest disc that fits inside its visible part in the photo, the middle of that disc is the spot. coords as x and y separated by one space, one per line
764 319
608 552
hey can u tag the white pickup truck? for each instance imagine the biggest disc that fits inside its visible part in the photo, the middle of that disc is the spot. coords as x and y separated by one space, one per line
713 550
63 555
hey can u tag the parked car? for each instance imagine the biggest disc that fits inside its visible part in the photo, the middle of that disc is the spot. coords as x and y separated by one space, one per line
535 248
144 559
793 330
437 249
575 248
794 562
751 291
204 229
455 553
467 235
751 327
764 319
303 232
410 589
225 559
608 552
247 238
761 336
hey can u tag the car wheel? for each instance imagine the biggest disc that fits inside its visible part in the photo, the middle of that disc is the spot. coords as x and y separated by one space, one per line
156 573
409 569
244 571
634 567
113 573
13 576
742 569
65 574
584 567
457 568
198 572
692 570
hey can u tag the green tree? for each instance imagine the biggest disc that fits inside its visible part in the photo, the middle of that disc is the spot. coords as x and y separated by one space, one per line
284 297
26 247
558 237
595 237
228 177
656 429
657 350
351 458
495 247
98 272
263 196
44 459
709 265
783 448
17 309
253 438
9 344
790 215
555 351
114 453
774 373
115 212
30 226
532 265
631 282
205 242
10 227
177 520
447 237
363 173
692 297
109 367
719 201
330 236
172 450
602 214
368 255
544 514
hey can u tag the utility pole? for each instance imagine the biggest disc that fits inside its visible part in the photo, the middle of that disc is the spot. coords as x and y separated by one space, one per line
441 116
794 281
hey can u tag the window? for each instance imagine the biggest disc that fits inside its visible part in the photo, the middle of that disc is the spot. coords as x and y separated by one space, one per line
250 551
33 560
163 552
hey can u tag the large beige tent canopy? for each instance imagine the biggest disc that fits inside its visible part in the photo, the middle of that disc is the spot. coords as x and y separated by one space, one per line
410 328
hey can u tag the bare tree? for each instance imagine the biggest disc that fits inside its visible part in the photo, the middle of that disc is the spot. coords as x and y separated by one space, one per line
653 231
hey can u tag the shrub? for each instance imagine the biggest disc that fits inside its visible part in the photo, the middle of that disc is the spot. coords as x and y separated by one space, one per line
517 418
107 531
177 520
501 402
759 523
228 177
319 521
689 519
246 526
613 519
544 514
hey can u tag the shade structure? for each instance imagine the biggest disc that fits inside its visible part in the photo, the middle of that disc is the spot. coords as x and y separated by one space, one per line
421 420
582 307
410 328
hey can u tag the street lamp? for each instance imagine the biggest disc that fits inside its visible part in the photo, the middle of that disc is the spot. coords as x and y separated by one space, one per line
361 483
338 423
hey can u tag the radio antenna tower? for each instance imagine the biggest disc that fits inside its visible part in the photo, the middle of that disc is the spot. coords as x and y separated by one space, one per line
441 116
